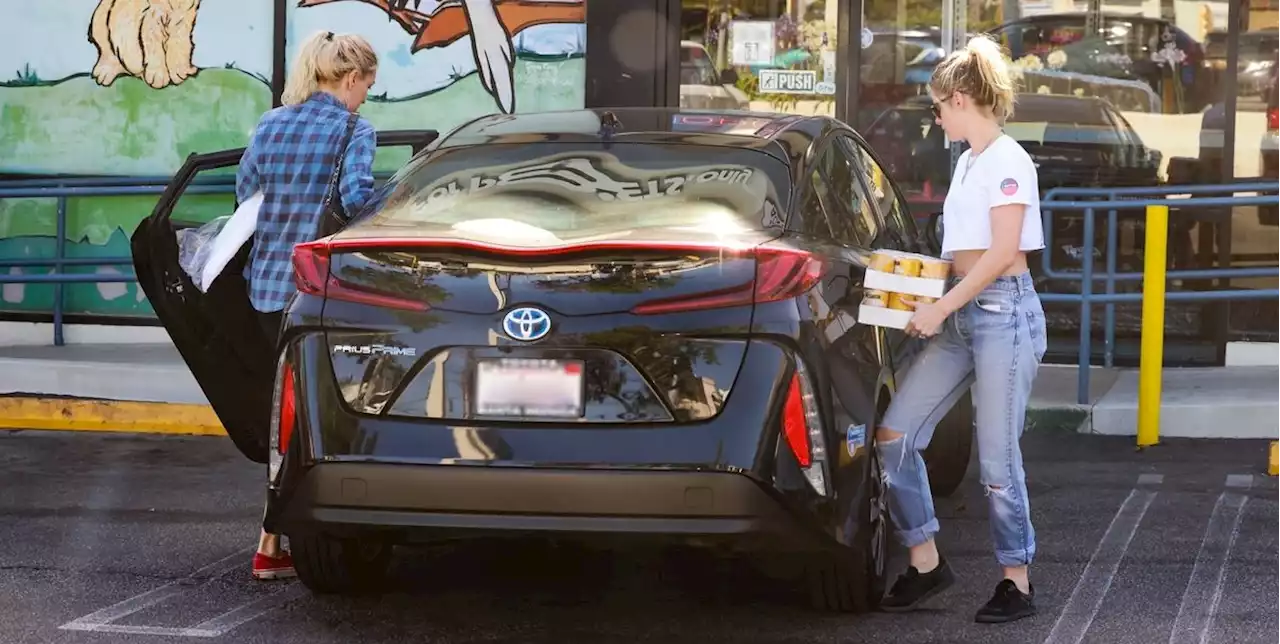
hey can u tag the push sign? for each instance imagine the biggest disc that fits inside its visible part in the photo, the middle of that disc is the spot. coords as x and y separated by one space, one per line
788 81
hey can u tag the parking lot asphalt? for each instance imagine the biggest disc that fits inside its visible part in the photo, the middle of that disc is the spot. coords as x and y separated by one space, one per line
126 539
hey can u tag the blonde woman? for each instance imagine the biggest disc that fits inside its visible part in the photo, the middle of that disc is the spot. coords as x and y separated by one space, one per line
293 154
987 332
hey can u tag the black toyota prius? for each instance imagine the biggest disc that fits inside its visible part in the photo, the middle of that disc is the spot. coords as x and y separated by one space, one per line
622 324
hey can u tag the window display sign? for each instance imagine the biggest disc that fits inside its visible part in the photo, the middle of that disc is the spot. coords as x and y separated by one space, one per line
788 81
752 42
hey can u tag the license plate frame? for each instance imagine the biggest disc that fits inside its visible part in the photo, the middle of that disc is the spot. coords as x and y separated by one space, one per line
494 379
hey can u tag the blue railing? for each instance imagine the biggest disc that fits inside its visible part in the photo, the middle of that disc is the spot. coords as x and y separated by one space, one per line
1089 201
64 189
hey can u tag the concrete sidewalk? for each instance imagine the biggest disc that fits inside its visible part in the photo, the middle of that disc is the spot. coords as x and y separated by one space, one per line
135 386
1208 402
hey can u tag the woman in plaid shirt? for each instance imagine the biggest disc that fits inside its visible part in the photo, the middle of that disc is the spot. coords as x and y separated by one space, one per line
290 159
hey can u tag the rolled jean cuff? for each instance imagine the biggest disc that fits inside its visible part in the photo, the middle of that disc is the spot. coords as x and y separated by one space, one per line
916 536
1015 558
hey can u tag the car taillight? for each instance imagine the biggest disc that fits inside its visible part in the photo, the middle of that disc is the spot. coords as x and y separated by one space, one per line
284 415
288 407
780 274
311 276
802 429
310 267
793 425
1273 119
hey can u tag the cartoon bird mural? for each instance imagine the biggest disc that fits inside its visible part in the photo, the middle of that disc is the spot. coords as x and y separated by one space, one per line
491 24
152 39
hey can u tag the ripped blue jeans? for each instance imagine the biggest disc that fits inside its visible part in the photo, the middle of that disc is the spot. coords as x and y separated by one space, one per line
993 347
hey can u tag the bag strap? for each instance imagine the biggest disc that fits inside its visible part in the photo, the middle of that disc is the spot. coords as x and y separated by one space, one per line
331 196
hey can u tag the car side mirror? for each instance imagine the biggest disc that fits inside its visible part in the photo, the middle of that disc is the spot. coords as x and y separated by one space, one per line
728 77
933 232
1153 157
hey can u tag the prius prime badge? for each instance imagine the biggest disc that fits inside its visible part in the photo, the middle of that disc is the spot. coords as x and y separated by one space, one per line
527 324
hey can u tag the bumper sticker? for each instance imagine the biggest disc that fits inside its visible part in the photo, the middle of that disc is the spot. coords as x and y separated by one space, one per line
855 437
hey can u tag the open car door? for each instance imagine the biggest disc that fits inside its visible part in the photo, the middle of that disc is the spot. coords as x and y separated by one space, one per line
217 332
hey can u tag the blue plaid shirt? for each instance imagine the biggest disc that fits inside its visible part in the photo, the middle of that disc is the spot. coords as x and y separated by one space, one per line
290 158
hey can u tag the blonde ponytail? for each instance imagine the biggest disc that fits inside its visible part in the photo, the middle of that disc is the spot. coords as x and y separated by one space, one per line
980 70
326 57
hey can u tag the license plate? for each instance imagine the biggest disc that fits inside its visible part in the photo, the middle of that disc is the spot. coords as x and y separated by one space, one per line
529 388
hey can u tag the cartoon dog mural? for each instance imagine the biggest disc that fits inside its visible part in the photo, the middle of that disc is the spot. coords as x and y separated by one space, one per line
152 39
491 24
149 39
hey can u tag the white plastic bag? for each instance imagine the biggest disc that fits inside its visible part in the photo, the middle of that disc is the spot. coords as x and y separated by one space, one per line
237 230
194 245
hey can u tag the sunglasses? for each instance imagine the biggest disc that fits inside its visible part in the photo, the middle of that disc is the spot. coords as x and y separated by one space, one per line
936 107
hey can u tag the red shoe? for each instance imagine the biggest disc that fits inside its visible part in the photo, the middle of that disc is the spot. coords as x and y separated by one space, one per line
265 567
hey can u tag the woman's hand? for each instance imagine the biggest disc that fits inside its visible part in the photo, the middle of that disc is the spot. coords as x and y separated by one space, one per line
927 321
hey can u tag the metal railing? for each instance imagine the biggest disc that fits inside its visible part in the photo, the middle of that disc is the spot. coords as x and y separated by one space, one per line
1088 201
63 189
1154 202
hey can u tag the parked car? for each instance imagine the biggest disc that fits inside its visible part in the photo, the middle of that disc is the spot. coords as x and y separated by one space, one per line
1125 47
702 86
635 323
1257 60
1270 144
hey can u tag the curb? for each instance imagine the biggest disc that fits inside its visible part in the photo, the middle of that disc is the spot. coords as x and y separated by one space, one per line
1056 419
78 414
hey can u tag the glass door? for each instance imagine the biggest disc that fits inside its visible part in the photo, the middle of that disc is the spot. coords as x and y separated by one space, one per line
901 42
762 55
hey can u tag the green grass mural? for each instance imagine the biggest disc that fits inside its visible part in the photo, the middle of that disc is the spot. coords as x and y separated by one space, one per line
76 127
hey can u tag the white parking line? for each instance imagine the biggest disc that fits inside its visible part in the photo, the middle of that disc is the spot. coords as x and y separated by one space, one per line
102 621
225 622
1077 616
98 619
1204 590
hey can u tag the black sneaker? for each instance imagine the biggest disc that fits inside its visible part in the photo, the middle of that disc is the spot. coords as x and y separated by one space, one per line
914 587
1007 604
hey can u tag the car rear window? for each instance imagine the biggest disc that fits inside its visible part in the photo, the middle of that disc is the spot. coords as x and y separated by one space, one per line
590 187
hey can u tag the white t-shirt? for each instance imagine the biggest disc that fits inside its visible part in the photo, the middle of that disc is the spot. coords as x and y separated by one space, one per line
1003 174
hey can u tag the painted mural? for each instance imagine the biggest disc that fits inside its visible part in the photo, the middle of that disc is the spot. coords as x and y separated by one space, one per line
131 87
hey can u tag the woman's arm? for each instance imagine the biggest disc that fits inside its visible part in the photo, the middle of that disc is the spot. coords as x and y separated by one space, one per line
357 168
1006 233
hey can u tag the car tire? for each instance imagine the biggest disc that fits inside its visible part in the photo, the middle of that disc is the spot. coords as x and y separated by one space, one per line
853 580
947 456
331 565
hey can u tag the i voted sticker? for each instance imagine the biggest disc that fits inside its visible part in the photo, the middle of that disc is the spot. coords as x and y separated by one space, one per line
1009 186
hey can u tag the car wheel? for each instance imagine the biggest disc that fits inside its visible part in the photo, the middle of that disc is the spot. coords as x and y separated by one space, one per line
947 456
854 580
328 564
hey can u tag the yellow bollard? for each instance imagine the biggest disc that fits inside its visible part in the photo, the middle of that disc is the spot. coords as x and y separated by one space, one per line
1273 461
1151 367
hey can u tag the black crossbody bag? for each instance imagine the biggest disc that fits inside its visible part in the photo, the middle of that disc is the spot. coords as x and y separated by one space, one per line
333 217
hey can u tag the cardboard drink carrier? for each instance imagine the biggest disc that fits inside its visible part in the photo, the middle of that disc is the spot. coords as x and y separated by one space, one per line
894 279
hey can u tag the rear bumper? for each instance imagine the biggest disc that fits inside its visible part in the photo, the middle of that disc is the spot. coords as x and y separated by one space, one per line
409 501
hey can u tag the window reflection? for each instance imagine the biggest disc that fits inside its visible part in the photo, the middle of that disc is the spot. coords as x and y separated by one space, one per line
1139 101
771 55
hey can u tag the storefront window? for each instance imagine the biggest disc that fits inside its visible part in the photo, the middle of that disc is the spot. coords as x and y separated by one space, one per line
1137 101
1255 235
768 55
